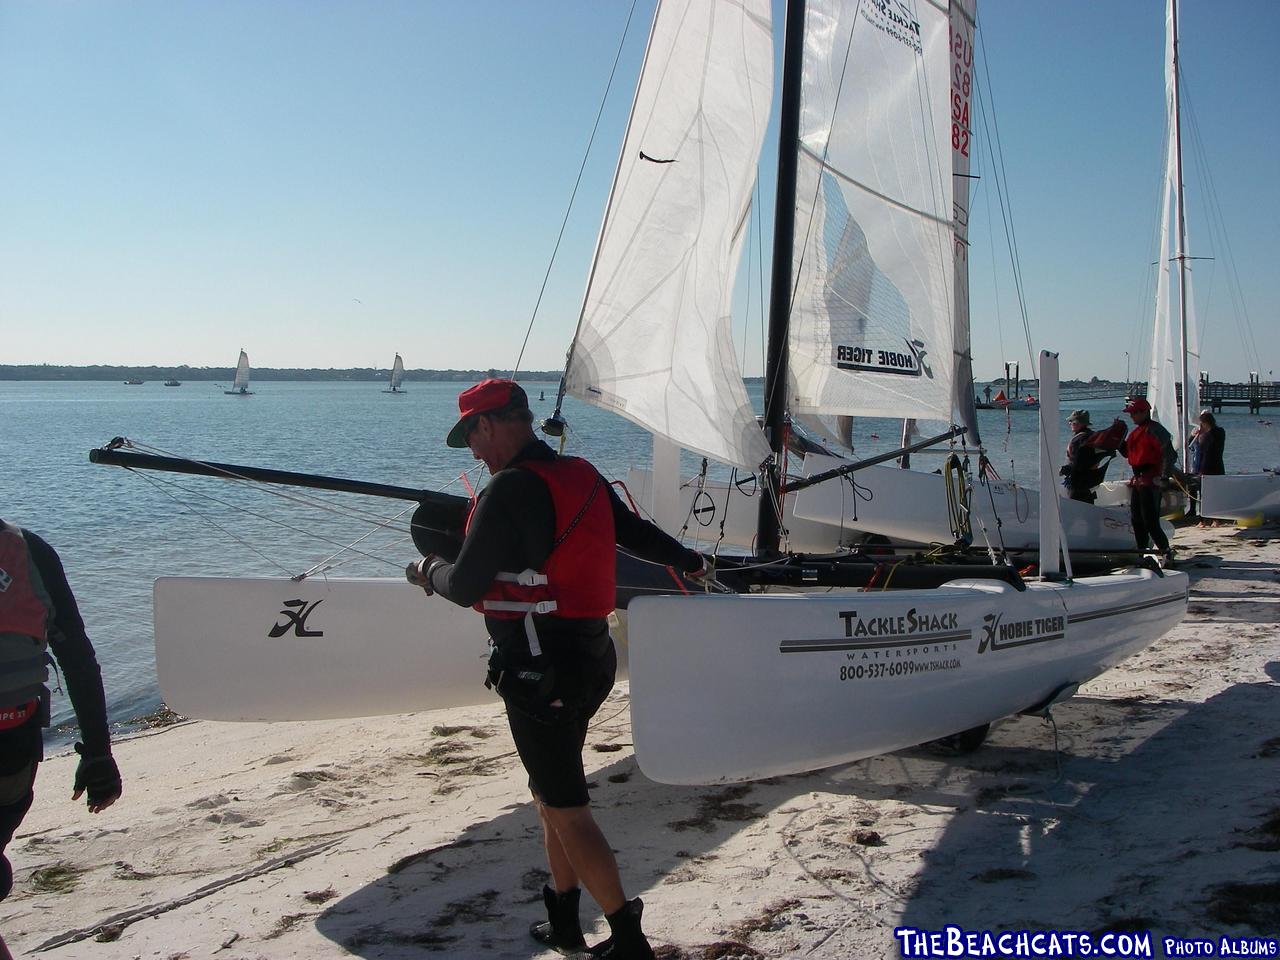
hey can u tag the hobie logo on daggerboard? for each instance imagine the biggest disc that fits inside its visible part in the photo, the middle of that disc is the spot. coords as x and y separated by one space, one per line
999 635
907 363
295 614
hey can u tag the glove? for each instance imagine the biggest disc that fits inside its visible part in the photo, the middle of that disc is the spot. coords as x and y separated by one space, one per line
416 573
99 775
705 575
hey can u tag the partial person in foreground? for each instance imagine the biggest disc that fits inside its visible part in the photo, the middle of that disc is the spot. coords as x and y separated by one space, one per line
38 614
538 559
1146 449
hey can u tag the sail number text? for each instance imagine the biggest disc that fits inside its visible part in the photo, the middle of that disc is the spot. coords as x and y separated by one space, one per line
961 85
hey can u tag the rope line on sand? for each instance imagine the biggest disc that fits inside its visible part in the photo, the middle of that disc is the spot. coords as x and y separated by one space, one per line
113 926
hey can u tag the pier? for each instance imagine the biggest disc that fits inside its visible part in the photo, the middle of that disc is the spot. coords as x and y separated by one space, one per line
1215 394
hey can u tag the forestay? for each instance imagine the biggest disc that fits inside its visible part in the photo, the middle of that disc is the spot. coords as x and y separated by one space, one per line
872 313
654 342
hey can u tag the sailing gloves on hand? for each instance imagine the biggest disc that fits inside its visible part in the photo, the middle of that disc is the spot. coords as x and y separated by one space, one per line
98 774
418 572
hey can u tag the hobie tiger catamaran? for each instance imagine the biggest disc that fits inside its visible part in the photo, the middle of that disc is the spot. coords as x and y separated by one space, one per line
745 685
788 667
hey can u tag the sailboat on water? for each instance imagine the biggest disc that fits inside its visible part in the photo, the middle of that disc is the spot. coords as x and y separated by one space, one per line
397 375
792 665
240 387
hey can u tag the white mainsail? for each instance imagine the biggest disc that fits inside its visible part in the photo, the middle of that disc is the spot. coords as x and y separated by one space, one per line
654 341
397 373
871 330
1168 346
242 373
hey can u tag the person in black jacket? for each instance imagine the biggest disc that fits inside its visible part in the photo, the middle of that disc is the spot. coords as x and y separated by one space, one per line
38 615
1207 443
1081 473
538 560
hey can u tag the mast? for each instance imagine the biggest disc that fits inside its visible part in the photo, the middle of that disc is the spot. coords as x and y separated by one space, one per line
784 223
1181 255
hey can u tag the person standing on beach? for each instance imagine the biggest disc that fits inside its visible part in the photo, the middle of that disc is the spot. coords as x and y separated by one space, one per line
538 560
1207 444
1145 449
38 613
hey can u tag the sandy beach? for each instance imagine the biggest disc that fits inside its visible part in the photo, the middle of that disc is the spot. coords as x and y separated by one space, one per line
1154 804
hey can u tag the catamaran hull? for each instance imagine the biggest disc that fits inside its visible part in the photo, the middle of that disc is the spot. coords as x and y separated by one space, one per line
911 506
1240 496
245 648
728 688
230 648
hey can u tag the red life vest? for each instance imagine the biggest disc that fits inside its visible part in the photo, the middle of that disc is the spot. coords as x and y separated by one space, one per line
21 609
579 577
24 616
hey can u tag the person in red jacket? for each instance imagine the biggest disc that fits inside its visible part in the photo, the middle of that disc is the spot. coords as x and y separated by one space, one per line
1146 449
538 559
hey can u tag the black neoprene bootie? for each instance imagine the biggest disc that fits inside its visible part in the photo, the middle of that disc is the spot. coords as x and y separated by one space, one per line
561 930
626 940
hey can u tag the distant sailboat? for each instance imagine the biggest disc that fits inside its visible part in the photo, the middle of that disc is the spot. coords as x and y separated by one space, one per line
240 388
173 382
397 374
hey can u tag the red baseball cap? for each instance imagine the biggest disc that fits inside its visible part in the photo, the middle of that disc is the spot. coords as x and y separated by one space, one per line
487 396
1137 405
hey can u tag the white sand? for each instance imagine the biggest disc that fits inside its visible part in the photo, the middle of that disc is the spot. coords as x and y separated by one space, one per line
396 837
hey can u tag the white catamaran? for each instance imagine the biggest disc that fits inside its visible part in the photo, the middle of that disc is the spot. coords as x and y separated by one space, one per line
1175 351
240 388
798 662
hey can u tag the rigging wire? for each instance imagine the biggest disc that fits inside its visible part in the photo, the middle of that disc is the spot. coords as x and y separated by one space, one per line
1216 222
264 517
1000 175
576 183
312 502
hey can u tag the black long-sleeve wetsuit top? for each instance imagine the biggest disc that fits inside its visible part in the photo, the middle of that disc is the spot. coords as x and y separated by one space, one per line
513 529
71 648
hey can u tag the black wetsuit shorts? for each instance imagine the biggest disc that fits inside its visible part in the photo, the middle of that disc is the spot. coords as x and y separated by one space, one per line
550 738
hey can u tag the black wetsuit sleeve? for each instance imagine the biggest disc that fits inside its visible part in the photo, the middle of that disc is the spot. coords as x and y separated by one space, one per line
70 645
648 542
513 528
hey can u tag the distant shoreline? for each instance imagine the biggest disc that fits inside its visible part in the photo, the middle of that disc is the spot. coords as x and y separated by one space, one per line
105 372
55 372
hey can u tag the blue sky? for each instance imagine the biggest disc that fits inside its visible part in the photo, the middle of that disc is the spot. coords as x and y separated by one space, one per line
327 183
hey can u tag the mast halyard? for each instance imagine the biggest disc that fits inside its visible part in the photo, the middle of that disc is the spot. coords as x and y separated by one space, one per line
775 376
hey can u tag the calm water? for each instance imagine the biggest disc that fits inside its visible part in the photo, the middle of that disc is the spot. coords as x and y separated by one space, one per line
118 530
